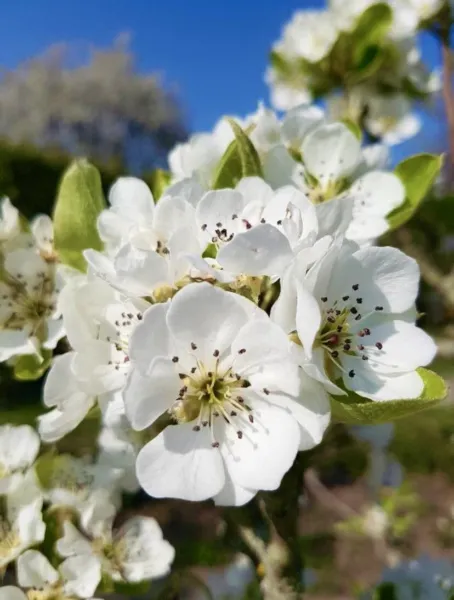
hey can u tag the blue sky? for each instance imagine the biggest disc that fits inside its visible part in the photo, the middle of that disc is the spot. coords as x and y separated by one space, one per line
214 52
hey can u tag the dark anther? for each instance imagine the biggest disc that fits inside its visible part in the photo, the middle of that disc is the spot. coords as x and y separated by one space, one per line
379 345
355 286
351 373
175 359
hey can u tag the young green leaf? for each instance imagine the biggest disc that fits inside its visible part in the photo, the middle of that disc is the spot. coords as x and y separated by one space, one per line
238 161
159 181
371 28
80 199
418 174
30 367
357 410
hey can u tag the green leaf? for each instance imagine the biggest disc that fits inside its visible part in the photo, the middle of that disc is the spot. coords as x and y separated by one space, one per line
371 28
238 161
80 199
30 367
45 467
159 181
386 591
280 64
354 409
418 174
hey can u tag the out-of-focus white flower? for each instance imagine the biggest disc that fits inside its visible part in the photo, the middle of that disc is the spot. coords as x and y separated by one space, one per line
375 522
29 289
390 118
353 314
98 326
217 364
19 447
287 93
134 552
42 229
425 9
310 35
21 523
10 229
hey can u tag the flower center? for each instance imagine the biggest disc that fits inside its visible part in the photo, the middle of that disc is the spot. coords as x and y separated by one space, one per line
207 395
9 539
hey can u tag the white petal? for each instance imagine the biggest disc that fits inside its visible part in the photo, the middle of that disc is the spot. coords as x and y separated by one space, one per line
272 440
219 206
34 570
19 446
82 574
60 381
10 592
188 190
147 397
262 250
405 347
146 554
377 193
335 216
171 214
299 121
73 542
55 424
377 386
207 317
259 343
151 337
181 463
233 494
331 152
386 277
279 168
130 196
308 318
14 343
43 232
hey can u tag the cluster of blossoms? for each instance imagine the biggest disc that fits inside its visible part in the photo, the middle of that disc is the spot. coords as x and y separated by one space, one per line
320 49
84 496
30 281
217 325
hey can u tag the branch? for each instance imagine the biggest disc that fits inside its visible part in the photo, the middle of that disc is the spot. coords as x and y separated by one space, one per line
448 95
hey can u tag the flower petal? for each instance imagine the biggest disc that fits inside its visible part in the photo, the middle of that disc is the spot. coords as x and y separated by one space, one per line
181 463
34 570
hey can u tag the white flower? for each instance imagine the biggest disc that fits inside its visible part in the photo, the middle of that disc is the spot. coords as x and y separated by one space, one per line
84 486
98 327
257 231
390 118
310 35
11 592
148 245
217 364
352 314
376 522
42 229
28 294
10 228
201 154
335 175
135 552
19 447
21 524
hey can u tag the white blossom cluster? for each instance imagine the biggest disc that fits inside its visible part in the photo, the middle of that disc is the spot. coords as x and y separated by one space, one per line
383 99
86 496
215 325
30 321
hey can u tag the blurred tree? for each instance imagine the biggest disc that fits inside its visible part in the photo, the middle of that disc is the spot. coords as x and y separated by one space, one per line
102 108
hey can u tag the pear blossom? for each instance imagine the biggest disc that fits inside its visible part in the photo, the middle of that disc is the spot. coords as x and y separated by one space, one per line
287 92
200 156
41 579
257 230
216 364
83 486
309 35
10 228
352 315
21 523
390 119
147 245
350 198
29 317
42 230
19 447
134 552
98 326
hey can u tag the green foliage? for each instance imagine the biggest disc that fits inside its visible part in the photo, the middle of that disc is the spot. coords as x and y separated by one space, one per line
371 29
239 160
158 182
30 367
132 589
418 174
386 591
79 202
354 128
355 409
